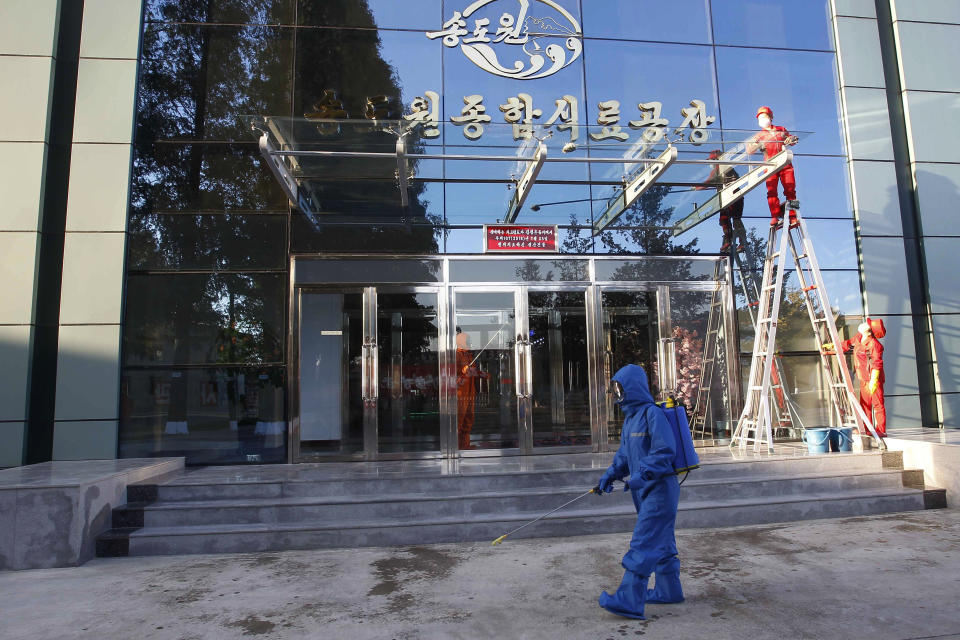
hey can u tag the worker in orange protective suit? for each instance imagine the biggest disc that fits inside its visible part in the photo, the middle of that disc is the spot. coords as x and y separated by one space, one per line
467 375
772 139
720 176
868 361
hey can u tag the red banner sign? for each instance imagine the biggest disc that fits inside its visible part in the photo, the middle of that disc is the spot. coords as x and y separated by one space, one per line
519 238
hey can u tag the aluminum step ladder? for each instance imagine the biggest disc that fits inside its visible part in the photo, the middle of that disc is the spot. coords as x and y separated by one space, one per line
711 349
786 415
754 426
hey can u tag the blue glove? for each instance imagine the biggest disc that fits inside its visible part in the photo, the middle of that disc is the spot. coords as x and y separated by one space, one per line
606 481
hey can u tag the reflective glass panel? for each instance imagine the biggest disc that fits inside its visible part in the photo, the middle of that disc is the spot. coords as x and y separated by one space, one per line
486 203
341 68
678 74
195 81
334 234
700 356
204 319
208 415
222 242
423 15
545 270
655 269
794 331
561 383
630 334
485 340
202 177
331 404
803 94
368 271
408 343
773 23
675 21
833 241
229 11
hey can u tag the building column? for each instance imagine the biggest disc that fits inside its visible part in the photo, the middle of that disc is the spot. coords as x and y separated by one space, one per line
28 164
876 201
88 357
926 37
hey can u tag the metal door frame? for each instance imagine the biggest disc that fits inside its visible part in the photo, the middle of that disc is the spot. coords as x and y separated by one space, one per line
445 288
521 384
369 370
665 340
588 292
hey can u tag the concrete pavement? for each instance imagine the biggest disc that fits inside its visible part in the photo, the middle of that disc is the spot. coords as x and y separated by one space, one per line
799 580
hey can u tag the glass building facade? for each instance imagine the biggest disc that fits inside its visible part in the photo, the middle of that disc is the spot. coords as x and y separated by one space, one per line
209 218
205 359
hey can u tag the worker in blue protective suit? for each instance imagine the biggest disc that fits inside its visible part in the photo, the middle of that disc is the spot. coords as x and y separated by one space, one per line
645 462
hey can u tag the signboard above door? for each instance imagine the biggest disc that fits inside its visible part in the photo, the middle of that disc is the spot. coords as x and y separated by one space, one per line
520 238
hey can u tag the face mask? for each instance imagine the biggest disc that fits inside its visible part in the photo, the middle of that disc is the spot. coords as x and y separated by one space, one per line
615 389
763 121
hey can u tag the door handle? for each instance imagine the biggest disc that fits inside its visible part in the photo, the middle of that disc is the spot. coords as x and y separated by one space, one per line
523 367
368 371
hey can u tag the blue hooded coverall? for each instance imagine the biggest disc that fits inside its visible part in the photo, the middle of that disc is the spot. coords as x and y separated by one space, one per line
645 461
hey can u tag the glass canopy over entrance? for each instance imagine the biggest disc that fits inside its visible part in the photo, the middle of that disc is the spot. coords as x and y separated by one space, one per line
334 169
489 355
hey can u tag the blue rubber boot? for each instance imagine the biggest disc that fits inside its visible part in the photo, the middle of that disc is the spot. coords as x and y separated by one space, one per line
666 587
630 597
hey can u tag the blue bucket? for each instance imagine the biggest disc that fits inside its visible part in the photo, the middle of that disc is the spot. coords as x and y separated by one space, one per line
817 439
841 439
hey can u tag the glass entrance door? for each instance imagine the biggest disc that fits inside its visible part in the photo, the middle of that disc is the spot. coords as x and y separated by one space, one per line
332 357
630 335
369 373
489 358
560 371
408 353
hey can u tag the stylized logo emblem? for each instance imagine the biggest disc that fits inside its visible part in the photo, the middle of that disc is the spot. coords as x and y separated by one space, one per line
516 32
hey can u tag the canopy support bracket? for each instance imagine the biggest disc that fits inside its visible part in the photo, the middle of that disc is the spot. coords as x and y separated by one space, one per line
635 188
734 191
525 183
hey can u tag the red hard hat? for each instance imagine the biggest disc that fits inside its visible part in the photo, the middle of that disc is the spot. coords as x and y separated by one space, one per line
716 153
766 110
876 327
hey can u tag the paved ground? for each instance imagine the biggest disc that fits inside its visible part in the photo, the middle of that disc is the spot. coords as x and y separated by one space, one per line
805 580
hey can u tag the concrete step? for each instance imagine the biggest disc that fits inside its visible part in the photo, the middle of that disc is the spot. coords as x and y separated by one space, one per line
347 506
347 509
612 517
185 489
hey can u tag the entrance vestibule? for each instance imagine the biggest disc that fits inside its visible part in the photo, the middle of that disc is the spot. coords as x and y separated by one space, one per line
449 356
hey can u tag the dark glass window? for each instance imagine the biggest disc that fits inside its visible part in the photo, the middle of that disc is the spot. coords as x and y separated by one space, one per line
794 332
336 234
208 415
202 177
204 319
674 21
229 11
356 64
484 203
803 93
220 242
383 14
196 81
773 23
